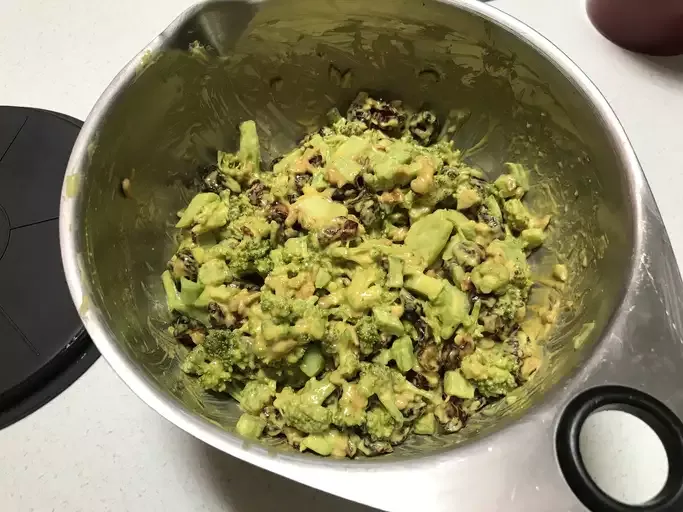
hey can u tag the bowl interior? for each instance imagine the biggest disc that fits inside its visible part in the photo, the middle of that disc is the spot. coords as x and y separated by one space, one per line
279 63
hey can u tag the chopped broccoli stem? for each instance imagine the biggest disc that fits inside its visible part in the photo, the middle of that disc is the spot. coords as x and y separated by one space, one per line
313 361
426 425
250 426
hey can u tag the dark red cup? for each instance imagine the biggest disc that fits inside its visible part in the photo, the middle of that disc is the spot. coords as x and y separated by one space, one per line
654 27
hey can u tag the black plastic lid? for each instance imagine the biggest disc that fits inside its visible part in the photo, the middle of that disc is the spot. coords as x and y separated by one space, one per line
43 346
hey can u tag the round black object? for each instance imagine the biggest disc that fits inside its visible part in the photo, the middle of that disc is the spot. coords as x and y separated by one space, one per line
654 413
43 346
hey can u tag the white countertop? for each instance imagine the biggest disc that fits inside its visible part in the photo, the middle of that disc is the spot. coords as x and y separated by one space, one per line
97 447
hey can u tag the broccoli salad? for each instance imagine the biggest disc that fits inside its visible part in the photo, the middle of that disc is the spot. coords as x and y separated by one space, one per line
365 287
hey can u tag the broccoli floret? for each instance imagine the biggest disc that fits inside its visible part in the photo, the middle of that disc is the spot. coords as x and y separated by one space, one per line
311 326
305 321
211 372
297 250
239 206
516 214
351 407
276 306
369 336
218 358
387 384
509 253
256 395
441 192
340 341
250 256
242 165
491 370
287 310
380 424
303 410
231 348
212 216
511 306
515 183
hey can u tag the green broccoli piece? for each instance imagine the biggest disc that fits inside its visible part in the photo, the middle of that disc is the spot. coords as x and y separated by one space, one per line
250 152
490 276
532 238
426 424
286 309
276 306
450 308
425 285
214 272
511 306
492 208
250 256
380 424
239 206
317 211
455 384
443 189
311 326
520 174
515 183
303 410
231 348
369 337
189 291
308 321
402 353
331 442
510 253
175 302
517 215
351 406
212 373
341 342
297 250
491 370
212 216
313 362
387 321
241 166
196 205
395 273
467 197
387 383
256 395
428 236
250 426
217 359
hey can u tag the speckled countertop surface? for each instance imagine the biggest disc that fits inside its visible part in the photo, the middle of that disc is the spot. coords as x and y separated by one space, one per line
97 447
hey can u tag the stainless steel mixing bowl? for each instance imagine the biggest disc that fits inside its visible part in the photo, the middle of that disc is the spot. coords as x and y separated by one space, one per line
284 64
